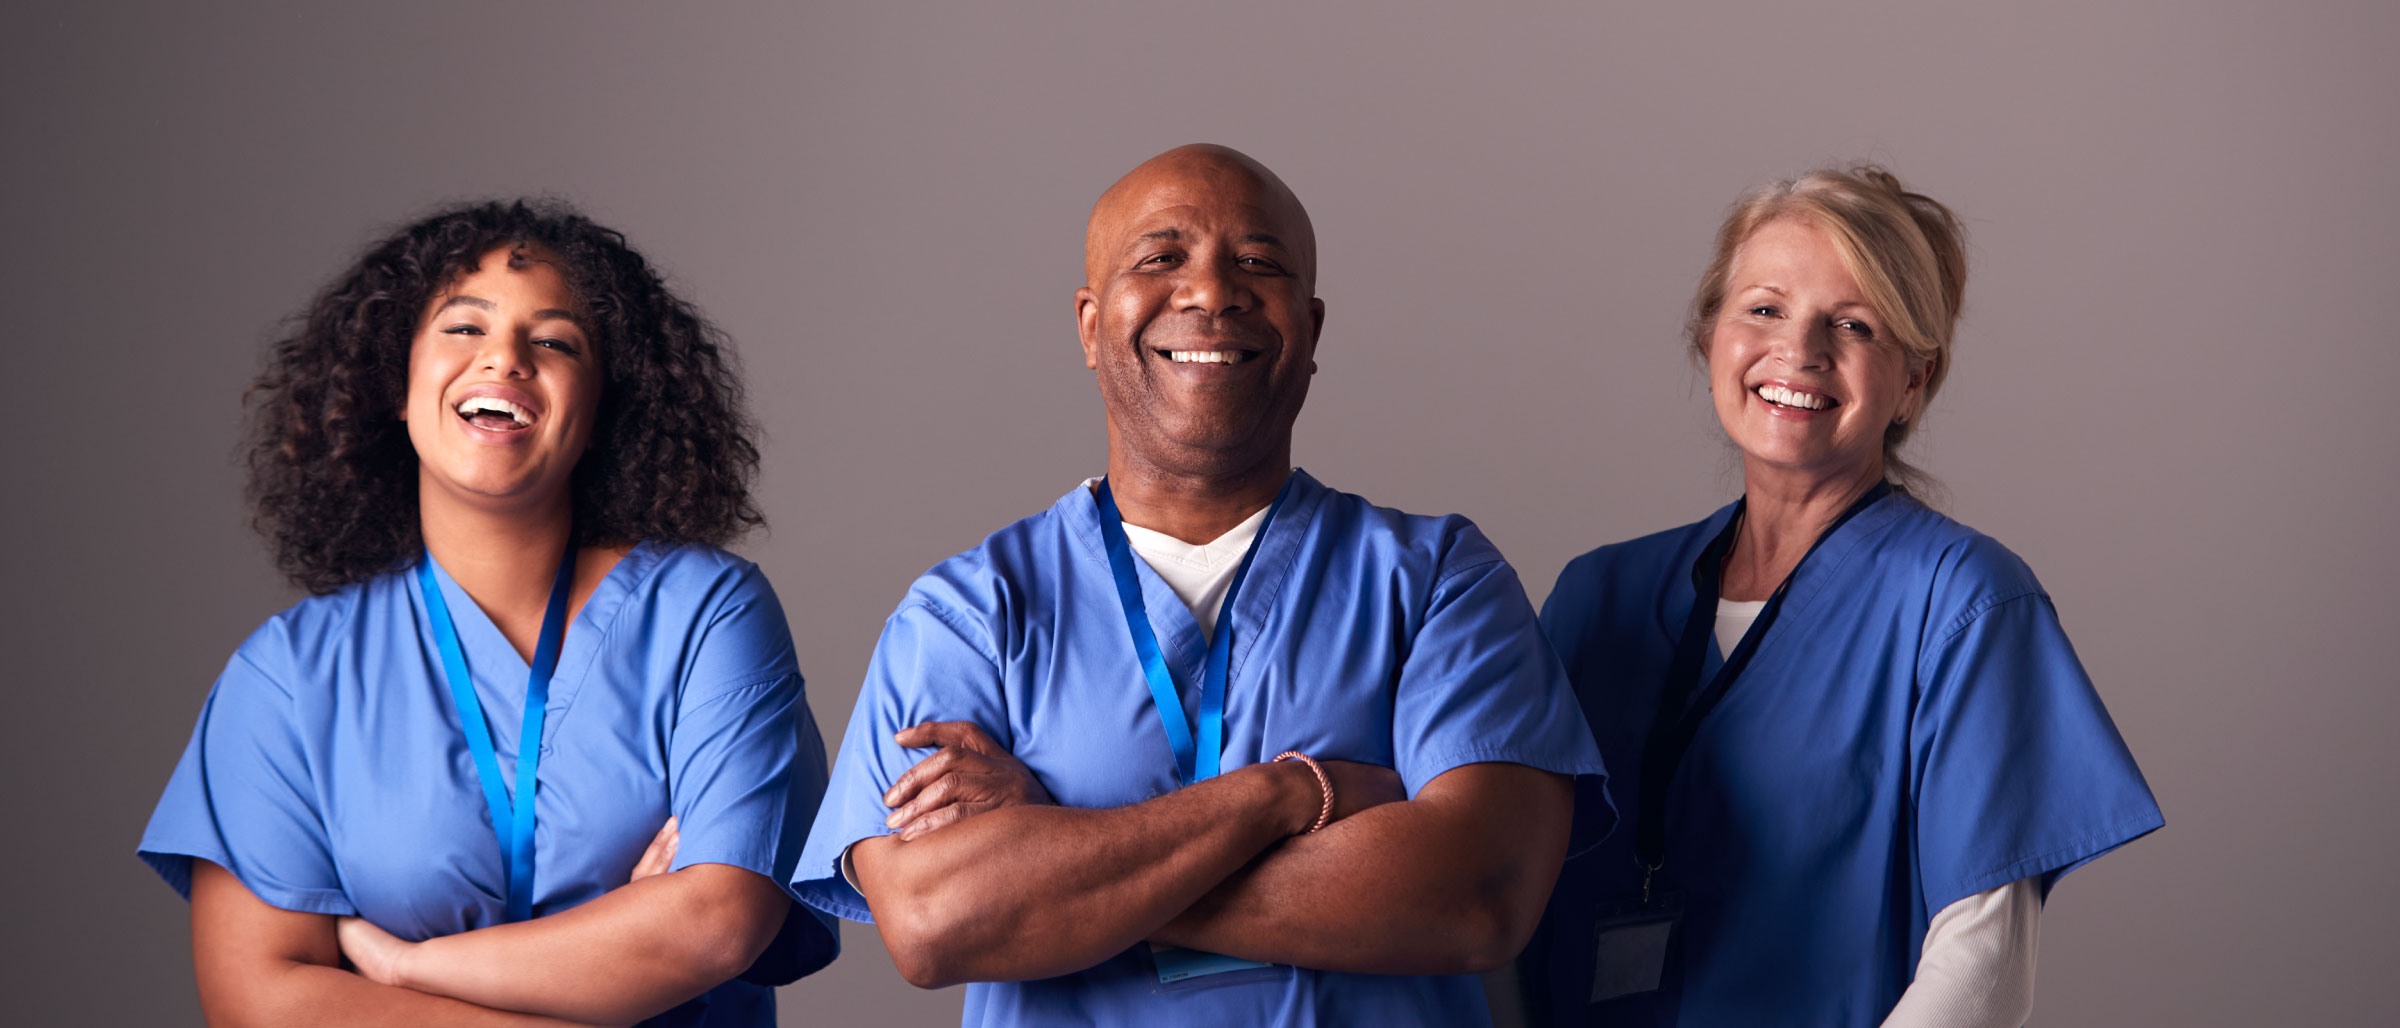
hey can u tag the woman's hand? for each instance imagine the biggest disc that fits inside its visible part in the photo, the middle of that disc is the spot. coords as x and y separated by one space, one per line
661 854
382 957
970 775
379 956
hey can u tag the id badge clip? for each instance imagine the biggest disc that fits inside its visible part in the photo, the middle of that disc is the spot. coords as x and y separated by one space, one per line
1630 947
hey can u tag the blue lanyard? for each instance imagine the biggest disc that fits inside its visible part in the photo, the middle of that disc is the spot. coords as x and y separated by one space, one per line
1687 699
1192 763
516 839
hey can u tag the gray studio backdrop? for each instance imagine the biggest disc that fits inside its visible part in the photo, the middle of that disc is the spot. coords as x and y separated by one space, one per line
2172 389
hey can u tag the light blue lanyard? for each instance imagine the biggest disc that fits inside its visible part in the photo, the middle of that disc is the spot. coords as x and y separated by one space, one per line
1192 763
516 840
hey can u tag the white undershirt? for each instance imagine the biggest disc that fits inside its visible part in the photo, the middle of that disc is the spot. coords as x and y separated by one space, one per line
1200 573
1976 968
1734 618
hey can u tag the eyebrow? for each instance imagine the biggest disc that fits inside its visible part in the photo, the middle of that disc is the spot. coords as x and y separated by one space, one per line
1175 234
481 304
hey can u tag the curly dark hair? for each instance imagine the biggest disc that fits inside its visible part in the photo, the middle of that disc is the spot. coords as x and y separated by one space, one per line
333 477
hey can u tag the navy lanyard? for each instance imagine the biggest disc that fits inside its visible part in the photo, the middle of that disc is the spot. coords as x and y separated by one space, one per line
1687 700
514 827
1192 763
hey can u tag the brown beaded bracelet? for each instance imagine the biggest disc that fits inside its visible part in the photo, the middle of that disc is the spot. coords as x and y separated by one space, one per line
1324 784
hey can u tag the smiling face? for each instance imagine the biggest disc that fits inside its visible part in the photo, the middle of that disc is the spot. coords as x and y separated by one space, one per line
1199 314
503 386
1804 373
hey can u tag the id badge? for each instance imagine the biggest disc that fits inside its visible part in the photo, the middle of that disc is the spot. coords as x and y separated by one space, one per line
1179 965
1630 951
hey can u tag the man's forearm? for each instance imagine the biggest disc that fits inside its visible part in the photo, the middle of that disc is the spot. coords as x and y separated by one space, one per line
1036 891
624 956
1448 883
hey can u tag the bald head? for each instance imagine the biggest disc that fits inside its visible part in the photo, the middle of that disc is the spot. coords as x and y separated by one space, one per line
1203 176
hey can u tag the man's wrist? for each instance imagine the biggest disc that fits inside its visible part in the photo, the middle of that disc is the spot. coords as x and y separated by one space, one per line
1297 796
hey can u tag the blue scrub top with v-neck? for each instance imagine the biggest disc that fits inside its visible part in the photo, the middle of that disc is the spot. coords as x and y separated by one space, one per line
1360 633
330 774
1912 730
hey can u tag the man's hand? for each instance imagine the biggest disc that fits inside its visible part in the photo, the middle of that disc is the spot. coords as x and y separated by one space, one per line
970 775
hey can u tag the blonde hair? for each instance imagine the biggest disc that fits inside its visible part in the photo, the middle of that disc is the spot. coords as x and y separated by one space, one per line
1906 251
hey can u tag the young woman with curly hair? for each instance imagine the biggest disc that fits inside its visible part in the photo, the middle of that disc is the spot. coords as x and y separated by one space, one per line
502 456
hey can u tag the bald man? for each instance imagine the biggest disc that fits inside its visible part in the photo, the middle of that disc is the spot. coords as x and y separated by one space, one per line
1062 779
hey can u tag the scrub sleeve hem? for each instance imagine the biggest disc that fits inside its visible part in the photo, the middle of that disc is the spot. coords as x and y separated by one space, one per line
1590 779
1443 763
832 893
176 868
2052 865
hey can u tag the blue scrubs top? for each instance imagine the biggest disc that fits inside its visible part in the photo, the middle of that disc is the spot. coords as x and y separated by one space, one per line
330 774
1914 729
1360 634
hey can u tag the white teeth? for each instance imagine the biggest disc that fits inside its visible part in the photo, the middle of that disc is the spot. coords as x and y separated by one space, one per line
474 405
1206 356
1793 398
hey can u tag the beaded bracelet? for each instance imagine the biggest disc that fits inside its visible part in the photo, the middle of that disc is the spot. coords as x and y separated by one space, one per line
1324 784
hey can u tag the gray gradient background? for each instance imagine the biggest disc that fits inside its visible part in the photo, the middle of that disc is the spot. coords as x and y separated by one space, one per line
2171 391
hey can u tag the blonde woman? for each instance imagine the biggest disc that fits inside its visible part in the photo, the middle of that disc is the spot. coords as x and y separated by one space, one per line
1852 747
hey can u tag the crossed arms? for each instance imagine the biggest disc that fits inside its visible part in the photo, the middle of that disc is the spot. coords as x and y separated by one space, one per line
634 952
1002 885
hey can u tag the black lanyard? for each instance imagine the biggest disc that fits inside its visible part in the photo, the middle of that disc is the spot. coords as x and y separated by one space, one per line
1671 733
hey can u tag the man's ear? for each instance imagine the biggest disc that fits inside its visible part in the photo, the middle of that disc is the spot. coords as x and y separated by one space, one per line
1316 317
1087 325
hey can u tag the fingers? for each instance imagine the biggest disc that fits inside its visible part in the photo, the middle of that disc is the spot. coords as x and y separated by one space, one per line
942 792
661 854
946 816
925 773
933 734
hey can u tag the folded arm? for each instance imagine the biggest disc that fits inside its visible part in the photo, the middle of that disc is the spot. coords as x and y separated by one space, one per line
1034 891
1450 882
261 965
638 950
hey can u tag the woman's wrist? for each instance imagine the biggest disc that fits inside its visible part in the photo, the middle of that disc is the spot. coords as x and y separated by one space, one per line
399 964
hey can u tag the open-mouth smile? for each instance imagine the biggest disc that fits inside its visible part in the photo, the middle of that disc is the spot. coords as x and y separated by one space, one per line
498 414
1792 399
1207 356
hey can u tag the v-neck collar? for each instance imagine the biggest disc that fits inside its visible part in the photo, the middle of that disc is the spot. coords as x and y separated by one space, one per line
1178 633
494 662
1824 566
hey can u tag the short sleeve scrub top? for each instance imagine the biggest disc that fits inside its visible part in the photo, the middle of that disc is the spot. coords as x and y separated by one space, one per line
330 772
1912 729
